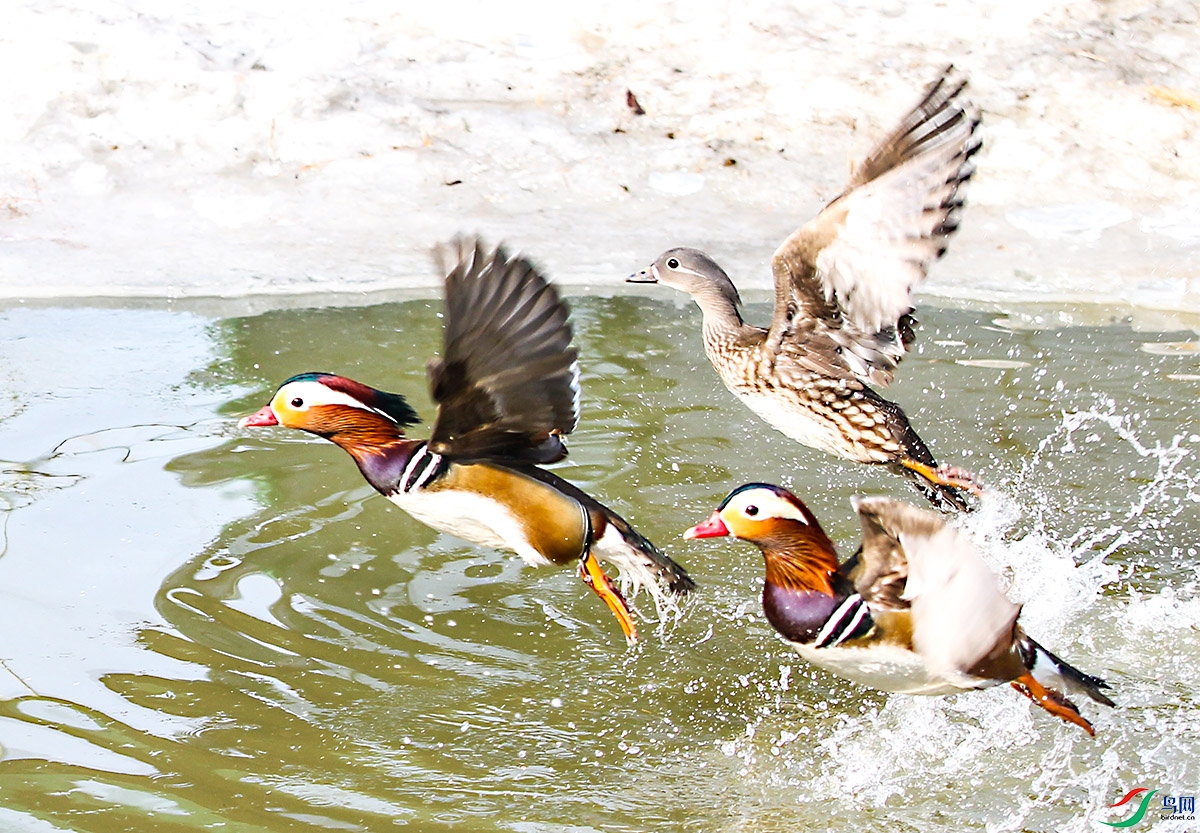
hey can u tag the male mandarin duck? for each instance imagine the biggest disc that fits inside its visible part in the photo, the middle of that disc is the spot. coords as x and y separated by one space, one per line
507 391
916 610
843 298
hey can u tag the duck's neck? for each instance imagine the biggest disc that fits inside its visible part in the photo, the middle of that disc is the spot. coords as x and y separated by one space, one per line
719 301
805 562
384 467
378 446
803 586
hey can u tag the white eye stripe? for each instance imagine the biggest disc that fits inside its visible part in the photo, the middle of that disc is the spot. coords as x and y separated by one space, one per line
769 505
315 393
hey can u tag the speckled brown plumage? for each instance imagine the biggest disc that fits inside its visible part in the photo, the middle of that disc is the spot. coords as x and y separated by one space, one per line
843 298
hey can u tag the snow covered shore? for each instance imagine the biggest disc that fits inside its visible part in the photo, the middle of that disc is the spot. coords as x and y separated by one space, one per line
231 149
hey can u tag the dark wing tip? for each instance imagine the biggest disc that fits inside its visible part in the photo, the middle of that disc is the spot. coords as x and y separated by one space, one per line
942 110
507 383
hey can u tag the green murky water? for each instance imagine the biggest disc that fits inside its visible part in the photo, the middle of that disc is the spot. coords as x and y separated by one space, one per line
208 629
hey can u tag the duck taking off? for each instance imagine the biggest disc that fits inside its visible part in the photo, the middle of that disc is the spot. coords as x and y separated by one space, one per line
843 298
507 391
917 610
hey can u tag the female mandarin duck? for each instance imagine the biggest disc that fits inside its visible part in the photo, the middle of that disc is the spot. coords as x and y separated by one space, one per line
916 611
507 390
843 298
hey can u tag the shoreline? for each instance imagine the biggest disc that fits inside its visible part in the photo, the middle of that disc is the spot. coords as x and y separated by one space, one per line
258 153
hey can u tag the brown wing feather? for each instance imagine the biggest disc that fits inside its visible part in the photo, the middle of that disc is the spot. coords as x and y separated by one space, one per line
911 559
881 572
844 280
507 383
928 118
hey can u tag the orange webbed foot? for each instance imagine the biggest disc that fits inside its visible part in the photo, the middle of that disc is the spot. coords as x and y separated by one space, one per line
946 475
1052 701
602 586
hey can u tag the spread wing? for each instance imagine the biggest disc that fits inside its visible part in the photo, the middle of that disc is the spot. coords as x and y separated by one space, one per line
912 560
507 383
844 280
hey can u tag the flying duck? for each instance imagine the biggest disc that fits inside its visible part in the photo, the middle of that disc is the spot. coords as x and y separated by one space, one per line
507 391
916 610
843 298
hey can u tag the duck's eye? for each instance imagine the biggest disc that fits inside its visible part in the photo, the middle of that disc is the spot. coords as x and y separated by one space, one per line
673 263
752 510
297 402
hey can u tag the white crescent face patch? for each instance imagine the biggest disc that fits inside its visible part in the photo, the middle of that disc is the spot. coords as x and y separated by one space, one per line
298 397
759 504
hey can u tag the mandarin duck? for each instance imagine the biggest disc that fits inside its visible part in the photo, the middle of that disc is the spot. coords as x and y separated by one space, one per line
917 610
843 298
507 391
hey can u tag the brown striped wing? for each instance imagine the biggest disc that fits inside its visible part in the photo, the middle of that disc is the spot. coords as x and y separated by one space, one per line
507 382
844 280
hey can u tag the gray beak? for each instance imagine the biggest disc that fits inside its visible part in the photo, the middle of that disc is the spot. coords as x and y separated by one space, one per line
649 275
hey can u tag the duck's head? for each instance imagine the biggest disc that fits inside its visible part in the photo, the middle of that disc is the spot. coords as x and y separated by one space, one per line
759 513
797 551
695 273
347 412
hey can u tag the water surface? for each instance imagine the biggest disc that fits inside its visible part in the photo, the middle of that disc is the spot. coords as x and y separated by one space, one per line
202 628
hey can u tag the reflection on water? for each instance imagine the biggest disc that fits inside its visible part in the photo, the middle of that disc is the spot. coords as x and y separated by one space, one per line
204 629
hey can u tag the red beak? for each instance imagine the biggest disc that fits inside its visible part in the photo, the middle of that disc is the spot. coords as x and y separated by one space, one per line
714 527
264 417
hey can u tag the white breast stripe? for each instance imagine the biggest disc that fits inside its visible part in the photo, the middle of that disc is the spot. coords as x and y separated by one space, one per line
836 629
859 612
420 469
430 472
417 457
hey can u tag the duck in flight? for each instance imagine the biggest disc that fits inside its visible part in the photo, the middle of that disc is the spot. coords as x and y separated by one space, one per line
917 610
507 391
843 298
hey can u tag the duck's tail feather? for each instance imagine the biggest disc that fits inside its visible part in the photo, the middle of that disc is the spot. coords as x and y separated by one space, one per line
640 563
949 488
1049 679
1055 673
942 497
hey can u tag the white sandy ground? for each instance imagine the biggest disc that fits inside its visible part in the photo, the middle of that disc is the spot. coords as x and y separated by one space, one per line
232 149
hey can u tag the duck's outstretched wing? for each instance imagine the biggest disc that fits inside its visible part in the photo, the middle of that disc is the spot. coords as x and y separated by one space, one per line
844 280
507 383
912 560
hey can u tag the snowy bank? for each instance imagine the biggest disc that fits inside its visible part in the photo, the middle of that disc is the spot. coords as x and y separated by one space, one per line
227 149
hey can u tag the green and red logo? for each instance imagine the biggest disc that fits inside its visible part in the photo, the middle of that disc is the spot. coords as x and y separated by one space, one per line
1174 807
1139 813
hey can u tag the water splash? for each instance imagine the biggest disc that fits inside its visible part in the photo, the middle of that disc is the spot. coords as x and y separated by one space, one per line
989 754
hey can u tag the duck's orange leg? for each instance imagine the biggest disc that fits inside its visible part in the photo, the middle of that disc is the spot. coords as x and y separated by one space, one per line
944 475
602 586
1053 702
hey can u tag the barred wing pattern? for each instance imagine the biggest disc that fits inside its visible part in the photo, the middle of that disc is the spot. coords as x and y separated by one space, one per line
507 383
844 280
